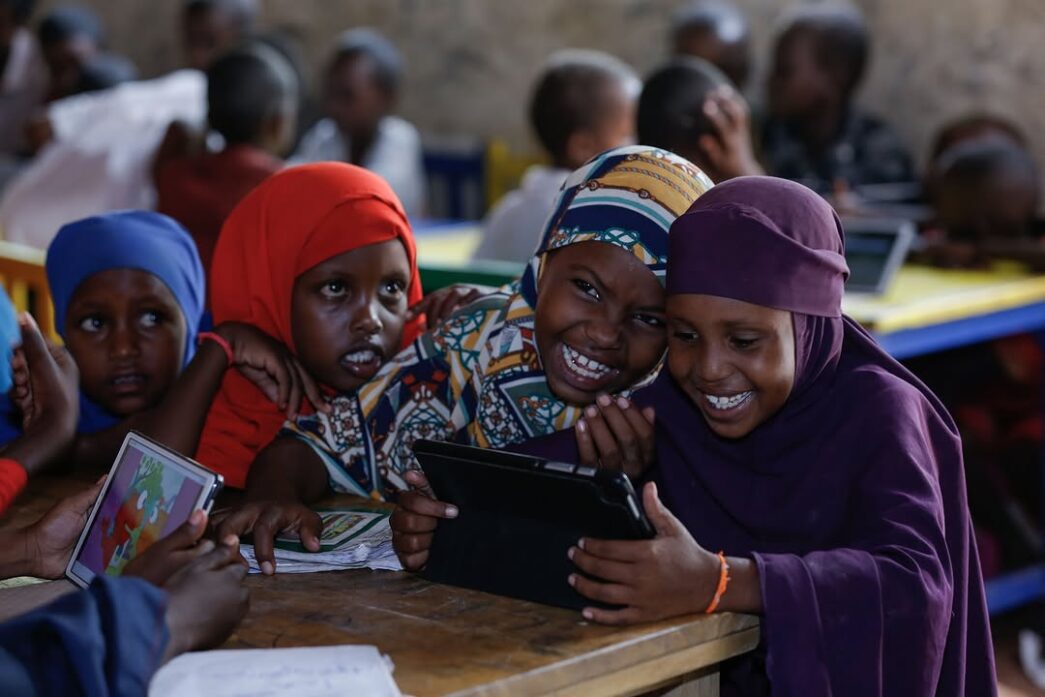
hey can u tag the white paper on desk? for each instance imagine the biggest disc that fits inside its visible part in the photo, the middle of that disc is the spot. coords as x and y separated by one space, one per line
322 671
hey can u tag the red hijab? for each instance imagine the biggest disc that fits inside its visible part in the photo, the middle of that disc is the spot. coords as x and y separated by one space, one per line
293 221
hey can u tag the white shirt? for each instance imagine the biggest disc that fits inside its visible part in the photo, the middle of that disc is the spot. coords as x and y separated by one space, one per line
395 155
101 155
513 228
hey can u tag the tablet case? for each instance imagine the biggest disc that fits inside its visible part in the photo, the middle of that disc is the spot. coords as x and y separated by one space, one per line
518 517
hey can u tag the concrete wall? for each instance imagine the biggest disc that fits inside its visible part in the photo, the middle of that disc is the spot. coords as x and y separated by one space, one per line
471 62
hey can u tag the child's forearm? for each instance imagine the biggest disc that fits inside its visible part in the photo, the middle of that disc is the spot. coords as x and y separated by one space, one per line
287 468
16 558
178 420
744 592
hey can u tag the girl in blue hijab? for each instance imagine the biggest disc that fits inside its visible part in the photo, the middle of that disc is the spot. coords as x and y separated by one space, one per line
10 336
128 290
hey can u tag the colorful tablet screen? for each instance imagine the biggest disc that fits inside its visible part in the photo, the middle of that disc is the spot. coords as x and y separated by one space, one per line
150 495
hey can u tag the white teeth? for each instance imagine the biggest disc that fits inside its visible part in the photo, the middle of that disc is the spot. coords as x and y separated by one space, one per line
727 402
364 356
585 366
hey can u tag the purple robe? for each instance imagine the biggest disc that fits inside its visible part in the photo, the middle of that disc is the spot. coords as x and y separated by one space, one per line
851 499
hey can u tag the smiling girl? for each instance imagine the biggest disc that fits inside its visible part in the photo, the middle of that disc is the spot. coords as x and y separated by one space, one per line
807 476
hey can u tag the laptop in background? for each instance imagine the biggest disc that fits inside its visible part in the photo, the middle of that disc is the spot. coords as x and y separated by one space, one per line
875 248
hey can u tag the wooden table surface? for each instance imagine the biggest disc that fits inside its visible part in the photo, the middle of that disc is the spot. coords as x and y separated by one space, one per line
447 640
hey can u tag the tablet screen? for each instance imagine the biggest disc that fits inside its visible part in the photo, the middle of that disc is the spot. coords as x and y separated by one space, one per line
150 495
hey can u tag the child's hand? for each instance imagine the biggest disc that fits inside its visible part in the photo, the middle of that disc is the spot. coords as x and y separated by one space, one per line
438 305
207 601
269 365
729 152
414 521
50 540
46 388
165 557
46 381
265 520
614 434
667 576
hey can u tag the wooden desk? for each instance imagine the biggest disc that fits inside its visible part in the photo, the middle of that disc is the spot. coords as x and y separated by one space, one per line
446 640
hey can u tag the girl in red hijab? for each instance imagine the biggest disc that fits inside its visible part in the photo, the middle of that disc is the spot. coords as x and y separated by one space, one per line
321 258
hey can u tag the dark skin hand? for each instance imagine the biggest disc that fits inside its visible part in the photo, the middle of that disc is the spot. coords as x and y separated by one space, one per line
438 305
165 557
667 576
285 477
46 389
414 520
42 549
614 434
207 600
204 581
729 152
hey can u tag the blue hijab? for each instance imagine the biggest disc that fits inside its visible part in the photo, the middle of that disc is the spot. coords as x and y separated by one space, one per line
10 336
139 240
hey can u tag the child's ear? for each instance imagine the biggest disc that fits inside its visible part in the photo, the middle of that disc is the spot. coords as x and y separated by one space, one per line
278 132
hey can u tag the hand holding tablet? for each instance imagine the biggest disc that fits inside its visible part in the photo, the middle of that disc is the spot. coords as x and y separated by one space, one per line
150 492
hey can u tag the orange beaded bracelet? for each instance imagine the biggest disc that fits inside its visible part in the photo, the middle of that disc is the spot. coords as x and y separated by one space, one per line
723 583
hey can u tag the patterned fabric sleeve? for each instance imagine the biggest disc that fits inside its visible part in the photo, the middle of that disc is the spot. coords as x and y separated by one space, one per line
365 441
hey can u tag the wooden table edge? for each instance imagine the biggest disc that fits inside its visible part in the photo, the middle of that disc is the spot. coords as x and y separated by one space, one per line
582 676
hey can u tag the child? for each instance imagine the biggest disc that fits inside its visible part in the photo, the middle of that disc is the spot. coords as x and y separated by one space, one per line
361 87
585 320
986 201
687 107
23 79
252 104
815 134
212 27
321 258
583 104
128 293
70 37
715 31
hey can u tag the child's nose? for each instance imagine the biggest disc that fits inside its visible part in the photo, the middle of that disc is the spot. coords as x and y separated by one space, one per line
367 319
604 333
124 343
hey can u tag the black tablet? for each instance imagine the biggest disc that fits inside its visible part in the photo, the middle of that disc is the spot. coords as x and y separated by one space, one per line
518 517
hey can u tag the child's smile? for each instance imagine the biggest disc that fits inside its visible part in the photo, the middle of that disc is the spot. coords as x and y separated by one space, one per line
599 321
735 360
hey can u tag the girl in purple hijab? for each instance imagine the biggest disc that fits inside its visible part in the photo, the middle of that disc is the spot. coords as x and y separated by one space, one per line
827 474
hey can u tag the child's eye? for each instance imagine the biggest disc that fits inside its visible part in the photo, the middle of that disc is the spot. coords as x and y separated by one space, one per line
684 336
393 287
586 288
743 343
151 319
650 320
92 323
333 289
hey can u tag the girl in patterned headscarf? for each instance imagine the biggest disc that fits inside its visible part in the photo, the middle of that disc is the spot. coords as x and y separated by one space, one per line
585 319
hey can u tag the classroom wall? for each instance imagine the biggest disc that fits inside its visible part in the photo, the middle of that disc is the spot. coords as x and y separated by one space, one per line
471 62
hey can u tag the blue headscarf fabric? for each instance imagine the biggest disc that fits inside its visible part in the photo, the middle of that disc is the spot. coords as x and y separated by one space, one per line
10 336
140 240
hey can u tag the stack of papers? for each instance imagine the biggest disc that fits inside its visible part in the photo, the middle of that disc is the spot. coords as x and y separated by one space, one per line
351 539
324 671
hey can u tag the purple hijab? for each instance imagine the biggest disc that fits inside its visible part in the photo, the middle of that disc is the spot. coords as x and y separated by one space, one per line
851 499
